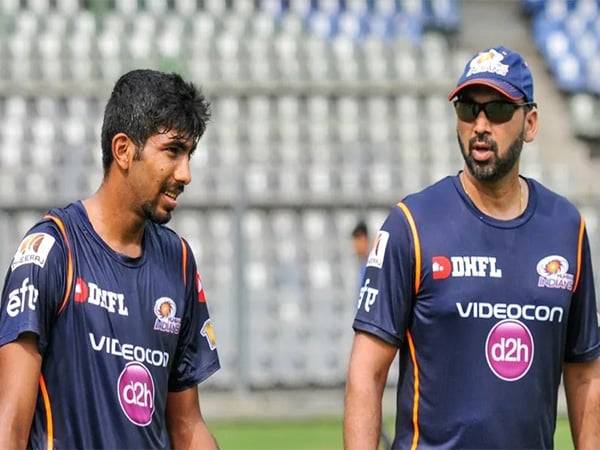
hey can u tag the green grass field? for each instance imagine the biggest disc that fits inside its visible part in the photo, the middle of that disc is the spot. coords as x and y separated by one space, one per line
324 434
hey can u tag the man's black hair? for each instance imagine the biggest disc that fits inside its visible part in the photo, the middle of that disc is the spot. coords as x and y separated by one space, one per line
146 102
360 230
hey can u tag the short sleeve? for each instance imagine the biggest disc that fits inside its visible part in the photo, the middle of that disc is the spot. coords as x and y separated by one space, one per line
196 356
34 286
385 299
583 341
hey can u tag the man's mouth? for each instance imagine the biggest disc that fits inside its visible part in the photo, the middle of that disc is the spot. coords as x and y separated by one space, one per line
171 194
482 151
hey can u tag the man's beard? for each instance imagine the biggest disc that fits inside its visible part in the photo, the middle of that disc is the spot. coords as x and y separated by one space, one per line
496 167
149 210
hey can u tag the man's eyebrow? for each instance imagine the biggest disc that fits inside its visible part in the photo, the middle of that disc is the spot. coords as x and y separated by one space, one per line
180 144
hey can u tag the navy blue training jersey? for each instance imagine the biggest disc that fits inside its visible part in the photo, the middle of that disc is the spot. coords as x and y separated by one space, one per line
116 334
484 312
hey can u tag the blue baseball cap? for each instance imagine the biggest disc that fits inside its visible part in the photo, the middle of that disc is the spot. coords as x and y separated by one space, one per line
498 68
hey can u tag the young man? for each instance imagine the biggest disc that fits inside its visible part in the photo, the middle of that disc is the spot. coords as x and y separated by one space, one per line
104 327
484 283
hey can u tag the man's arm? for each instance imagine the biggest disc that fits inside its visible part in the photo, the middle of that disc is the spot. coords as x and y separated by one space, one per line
367 373
20 366
582 388
187 428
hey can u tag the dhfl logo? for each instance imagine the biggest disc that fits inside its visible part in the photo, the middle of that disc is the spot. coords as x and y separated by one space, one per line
92 294
441 267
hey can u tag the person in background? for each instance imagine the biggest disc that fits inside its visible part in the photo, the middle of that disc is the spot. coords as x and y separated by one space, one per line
361 246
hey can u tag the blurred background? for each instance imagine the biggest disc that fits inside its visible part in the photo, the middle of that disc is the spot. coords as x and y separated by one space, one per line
325 113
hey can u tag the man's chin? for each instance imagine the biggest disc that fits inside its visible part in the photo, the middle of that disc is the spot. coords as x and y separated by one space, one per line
155 215
161 219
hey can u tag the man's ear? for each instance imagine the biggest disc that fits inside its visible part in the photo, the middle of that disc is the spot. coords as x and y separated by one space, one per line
531 125
123 150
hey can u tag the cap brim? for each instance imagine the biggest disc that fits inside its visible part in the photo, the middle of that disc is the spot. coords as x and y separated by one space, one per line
496 86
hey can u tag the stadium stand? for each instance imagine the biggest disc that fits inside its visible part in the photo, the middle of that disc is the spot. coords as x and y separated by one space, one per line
567 34
325 112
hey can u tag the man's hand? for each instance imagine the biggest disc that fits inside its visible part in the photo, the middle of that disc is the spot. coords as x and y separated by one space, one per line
20 367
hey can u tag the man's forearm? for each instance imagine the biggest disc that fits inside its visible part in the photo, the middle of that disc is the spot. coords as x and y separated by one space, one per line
584 415
583 400
192 436
362 417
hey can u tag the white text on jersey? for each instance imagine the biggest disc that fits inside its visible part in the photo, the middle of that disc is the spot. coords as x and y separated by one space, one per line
481 310
443 267
371 296
475 266
91 293
19 299
129 352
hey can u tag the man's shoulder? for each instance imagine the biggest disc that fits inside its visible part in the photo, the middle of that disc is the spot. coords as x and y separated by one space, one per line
167 237
435 195
553 204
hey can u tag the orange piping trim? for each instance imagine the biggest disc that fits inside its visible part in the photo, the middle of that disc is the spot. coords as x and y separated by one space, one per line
415 417
579 250
59 223
48 408
184 256
417 242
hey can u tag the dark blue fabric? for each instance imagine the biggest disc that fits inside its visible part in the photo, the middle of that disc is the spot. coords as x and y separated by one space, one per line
464 402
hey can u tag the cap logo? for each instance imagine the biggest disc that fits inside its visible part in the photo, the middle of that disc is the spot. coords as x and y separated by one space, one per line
489 61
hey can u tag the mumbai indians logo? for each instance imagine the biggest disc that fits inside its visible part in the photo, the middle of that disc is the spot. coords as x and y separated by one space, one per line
489 61
553 273
208 331
165 310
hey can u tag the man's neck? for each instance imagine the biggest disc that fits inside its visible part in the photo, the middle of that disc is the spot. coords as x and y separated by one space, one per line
504 199
115 222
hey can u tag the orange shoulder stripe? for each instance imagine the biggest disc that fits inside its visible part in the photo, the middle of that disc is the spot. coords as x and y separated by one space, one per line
417 244
48 408
579 251
69 282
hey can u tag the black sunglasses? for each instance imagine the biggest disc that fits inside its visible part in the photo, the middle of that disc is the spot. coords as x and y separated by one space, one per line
497 111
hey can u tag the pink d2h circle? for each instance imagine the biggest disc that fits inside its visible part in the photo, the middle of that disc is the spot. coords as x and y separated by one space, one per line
136 393
509 349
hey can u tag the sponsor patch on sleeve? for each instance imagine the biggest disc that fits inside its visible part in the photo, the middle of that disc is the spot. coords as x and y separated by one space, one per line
200 289
34 249
208 331
378 251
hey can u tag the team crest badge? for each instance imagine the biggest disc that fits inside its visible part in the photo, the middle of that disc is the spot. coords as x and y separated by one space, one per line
490 61
553 272
165 310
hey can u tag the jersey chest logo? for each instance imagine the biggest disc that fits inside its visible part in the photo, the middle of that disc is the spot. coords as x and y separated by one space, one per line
443 267
553 273
89 292
165 310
